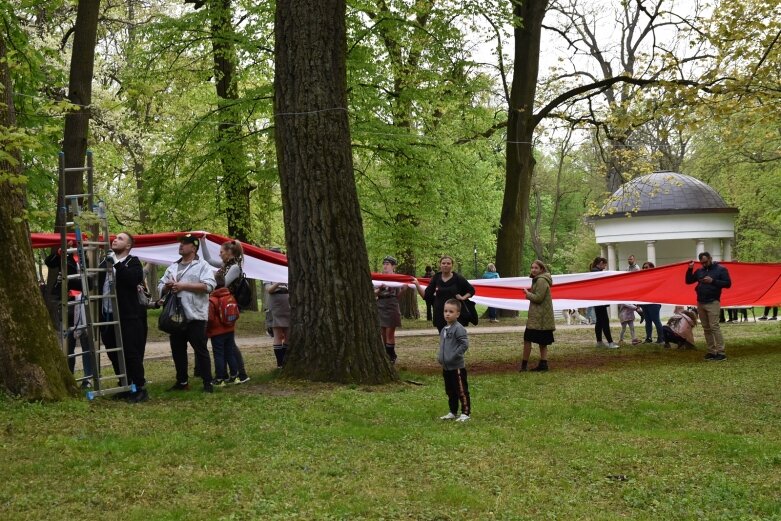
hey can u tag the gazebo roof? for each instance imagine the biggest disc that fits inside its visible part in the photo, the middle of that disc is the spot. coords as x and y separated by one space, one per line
664 193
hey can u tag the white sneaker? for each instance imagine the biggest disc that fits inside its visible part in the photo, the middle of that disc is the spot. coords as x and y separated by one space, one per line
448 416
612 345
462 418
601 344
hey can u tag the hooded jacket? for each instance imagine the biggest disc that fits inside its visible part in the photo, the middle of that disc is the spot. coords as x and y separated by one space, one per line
541 304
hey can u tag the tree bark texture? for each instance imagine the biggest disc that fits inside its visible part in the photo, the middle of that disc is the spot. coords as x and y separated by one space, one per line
80 94
235 183
520 130
31 363
334 326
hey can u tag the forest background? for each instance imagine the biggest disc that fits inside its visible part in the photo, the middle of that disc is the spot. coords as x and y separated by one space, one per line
429 84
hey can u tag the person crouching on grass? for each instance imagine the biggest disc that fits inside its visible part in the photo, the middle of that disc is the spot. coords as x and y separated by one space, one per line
453 343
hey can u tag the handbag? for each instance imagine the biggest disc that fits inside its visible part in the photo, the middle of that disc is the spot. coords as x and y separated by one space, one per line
172 318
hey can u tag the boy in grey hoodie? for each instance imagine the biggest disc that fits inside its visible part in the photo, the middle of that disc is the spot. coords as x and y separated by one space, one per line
453 343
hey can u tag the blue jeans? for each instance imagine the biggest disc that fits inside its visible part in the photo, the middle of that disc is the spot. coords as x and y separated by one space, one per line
86 357
652 312
223 347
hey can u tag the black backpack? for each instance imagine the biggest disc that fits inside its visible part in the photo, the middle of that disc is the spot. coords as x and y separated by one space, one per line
242 292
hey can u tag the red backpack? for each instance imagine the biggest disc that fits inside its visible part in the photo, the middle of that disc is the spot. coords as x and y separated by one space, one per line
223 312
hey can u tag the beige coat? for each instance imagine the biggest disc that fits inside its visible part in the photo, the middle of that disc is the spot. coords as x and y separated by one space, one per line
541 304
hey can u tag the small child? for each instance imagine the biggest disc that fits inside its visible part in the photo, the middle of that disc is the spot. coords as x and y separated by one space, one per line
626 314
453 343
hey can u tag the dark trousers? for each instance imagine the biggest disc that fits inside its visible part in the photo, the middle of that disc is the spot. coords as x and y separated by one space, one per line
236 363
133 345
195 334
652 315
86 357
457 390
603 324
767 311
429 312
225 355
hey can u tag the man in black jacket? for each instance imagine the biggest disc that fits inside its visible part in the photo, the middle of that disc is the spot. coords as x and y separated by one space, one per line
711 278
128 275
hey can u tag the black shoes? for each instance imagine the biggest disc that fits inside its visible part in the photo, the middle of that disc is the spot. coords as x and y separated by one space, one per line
541 367
138 396
180 386
710 357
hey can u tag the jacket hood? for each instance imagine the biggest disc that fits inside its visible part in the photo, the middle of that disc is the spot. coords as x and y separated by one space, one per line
545 276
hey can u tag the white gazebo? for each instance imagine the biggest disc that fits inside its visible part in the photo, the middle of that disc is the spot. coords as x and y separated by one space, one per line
664 217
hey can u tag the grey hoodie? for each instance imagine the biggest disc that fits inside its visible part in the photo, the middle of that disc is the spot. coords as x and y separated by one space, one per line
453 343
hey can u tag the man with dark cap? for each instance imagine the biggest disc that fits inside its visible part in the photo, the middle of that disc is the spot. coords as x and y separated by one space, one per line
191 279
711 278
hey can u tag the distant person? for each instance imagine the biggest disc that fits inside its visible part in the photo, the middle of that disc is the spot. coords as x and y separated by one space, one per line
429 308
228 361
711 278
680 329
490 273
626 315
191 279
541 323
53 261
735 312
632 264
602 325
388 308
767 312
652 316
278 303
445 285
453 344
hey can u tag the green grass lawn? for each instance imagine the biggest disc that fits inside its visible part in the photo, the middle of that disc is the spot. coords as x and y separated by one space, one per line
636 433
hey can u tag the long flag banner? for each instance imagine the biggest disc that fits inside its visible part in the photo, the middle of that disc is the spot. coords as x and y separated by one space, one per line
753 284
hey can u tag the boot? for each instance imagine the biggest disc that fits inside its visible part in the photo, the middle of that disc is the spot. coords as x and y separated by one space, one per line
524 366
279 353
541 367
390 349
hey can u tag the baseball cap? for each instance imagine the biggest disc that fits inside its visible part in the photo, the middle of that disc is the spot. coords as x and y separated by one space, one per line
189 238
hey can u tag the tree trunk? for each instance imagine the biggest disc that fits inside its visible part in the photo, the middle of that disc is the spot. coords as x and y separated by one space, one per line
80 94
31 363
236 186
520 130
335 329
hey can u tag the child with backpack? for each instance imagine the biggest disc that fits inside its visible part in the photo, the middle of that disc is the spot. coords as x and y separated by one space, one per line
224 312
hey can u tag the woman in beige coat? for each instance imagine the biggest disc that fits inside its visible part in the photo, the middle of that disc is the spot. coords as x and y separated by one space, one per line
541 323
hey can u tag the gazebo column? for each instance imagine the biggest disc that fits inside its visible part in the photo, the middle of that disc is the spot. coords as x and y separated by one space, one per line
727 250
700 248
603 251
611 256
650 251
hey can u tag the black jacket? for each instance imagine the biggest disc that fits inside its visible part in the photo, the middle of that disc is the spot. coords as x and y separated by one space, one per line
709 292
129 274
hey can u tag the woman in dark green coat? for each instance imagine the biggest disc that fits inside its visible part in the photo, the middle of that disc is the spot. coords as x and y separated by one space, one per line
541 323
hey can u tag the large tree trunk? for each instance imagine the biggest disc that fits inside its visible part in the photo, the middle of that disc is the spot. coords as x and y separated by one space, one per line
520 130
31 363
335 330
80 94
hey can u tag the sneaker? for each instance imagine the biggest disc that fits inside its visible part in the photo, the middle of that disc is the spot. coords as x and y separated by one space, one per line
636 341
231 380
773 318
180 386
763 317
86 384
463 418
719 358
208 388
601 344
709 356
648 341
219 382
242 379
612 345
448 416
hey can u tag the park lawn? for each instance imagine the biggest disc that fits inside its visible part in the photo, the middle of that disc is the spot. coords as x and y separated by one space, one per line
636 433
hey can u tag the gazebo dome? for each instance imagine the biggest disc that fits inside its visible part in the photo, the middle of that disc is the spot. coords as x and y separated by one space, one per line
664 193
